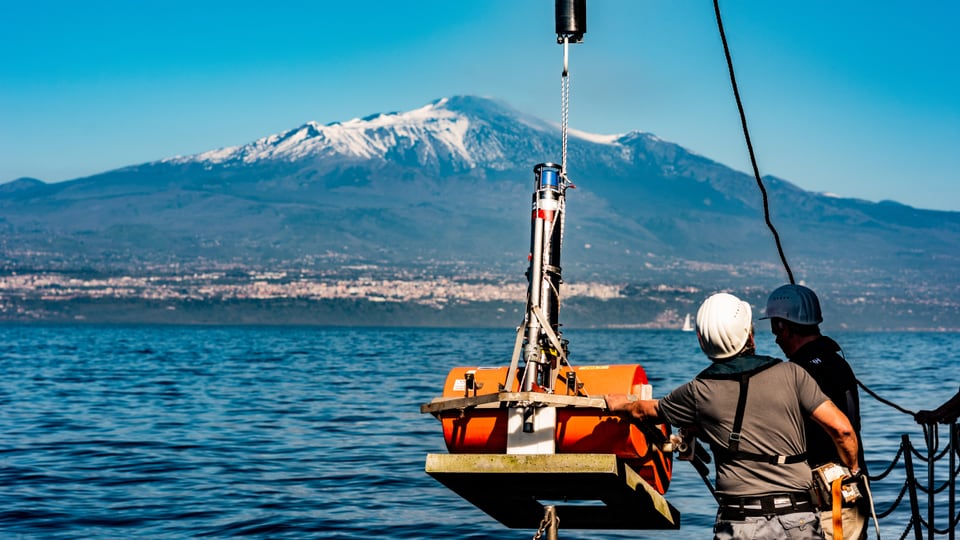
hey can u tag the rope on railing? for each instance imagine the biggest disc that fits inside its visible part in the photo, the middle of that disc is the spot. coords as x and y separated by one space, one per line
907 530
896 502
893 464
914 487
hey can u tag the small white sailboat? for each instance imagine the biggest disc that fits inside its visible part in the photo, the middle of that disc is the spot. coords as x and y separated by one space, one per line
687 327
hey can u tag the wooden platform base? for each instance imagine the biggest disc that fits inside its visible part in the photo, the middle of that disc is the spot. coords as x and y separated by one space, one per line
589 491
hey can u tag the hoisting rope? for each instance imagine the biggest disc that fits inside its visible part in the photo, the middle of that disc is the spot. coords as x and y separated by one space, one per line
763 191
930 433
564 106
884 401
746 135
564 123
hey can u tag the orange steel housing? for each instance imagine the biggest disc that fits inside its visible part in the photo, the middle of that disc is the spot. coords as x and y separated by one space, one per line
583 430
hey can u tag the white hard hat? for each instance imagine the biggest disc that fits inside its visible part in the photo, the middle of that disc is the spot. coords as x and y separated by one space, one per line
724 324
795 303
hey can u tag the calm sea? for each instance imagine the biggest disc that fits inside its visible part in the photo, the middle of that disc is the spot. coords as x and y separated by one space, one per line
184 432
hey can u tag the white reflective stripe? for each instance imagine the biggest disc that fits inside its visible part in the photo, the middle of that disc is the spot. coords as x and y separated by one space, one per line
548 204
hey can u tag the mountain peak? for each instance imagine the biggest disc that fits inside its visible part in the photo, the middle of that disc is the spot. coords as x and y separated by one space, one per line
475 106
460 131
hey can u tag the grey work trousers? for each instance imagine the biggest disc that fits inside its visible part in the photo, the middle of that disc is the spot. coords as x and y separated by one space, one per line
854 524
795 526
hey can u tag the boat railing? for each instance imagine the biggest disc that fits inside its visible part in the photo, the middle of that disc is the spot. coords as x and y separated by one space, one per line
924 484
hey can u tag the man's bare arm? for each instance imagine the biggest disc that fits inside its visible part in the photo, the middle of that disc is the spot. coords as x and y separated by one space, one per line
640 410
836 424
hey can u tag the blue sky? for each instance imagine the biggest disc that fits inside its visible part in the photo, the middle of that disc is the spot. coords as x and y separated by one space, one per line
860 99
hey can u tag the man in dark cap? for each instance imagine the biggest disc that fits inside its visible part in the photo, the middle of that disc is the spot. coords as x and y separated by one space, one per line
795 317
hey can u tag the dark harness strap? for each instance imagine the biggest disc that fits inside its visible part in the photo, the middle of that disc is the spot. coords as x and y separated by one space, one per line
733 449
734 439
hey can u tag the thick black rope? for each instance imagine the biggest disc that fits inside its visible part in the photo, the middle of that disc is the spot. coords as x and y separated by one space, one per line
894 463
936 530
907 530
746 135
895 504
884 401
776 236
763 190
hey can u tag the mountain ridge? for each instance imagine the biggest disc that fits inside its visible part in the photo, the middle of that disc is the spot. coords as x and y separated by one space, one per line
442 124
449 184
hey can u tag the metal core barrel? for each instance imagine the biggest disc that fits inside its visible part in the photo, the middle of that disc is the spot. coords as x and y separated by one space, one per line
548 227
543 308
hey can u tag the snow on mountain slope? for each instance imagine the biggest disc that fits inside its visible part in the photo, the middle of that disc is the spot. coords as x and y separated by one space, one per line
457 131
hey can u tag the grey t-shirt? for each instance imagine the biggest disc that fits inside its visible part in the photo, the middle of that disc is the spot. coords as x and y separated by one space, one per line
778 400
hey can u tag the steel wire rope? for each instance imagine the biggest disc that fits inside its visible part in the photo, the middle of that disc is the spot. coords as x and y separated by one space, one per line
565 182
564 128
746 136
564 107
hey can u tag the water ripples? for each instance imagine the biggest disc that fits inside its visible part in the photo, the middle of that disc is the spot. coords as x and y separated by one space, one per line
164 432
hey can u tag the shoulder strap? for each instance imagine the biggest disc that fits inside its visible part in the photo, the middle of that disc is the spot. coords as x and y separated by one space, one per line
733 442
732 451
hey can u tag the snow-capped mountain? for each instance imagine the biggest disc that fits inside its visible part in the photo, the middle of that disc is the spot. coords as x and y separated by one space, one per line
453 133
451 181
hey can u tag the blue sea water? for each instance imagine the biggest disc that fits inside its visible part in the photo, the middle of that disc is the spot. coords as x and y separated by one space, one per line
193 432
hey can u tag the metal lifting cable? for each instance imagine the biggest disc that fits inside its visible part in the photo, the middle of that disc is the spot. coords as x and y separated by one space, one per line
564 106
571 25
746 134
564 123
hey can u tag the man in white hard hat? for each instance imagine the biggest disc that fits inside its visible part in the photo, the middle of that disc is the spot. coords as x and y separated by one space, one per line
750 410
795 317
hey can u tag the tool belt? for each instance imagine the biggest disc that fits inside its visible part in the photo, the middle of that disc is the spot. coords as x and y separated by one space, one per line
823 477
824 504
776 504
